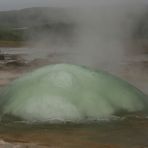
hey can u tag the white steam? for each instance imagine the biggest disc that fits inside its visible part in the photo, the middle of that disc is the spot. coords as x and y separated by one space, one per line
101 35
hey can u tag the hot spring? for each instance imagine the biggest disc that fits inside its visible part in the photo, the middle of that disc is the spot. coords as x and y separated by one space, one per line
70 93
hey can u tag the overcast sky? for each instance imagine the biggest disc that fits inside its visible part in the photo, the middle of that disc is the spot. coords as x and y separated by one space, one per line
18 4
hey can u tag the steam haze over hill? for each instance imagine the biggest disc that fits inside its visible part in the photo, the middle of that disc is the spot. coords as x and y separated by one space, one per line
19 4
89 35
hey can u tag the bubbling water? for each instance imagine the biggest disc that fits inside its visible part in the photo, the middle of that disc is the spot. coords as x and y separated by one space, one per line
64 92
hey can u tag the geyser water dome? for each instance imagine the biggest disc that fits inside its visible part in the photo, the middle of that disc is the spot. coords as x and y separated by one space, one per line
73 93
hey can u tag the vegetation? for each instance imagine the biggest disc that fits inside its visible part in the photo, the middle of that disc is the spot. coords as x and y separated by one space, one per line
11 43
33 23
10 34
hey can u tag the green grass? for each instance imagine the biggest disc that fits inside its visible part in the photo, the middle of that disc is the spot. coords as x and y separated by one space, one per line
11 34
4 43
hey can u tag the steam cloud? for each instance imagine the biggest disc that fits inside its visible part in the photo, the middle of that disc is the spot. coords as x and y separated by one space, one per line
100 37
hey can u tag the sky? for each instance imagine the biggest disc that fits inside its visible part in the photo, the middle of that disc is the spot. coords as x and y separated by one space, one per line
19 4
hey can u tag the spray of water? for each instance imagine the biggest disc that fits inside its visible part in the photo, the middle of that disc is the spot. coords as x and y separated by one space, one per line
72 93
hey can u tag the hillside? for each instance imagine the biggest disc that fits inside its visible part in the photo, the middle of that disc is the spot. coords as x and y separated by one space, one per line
27 23
39 22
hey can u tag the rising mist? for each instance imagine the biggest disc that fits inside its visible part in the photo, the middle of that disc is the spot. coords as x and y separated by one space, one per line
97 36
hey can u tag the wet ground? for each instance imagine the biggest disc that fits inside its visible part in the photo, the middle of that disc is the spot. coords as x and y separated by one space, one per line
130 133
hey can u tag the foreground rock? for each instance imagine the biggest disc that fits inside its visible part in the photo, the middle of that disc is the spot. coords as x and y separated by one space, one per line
4 144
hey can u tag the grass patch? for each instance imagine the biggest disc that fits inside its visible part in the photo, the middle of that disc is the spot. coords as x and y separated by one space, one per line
12 43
